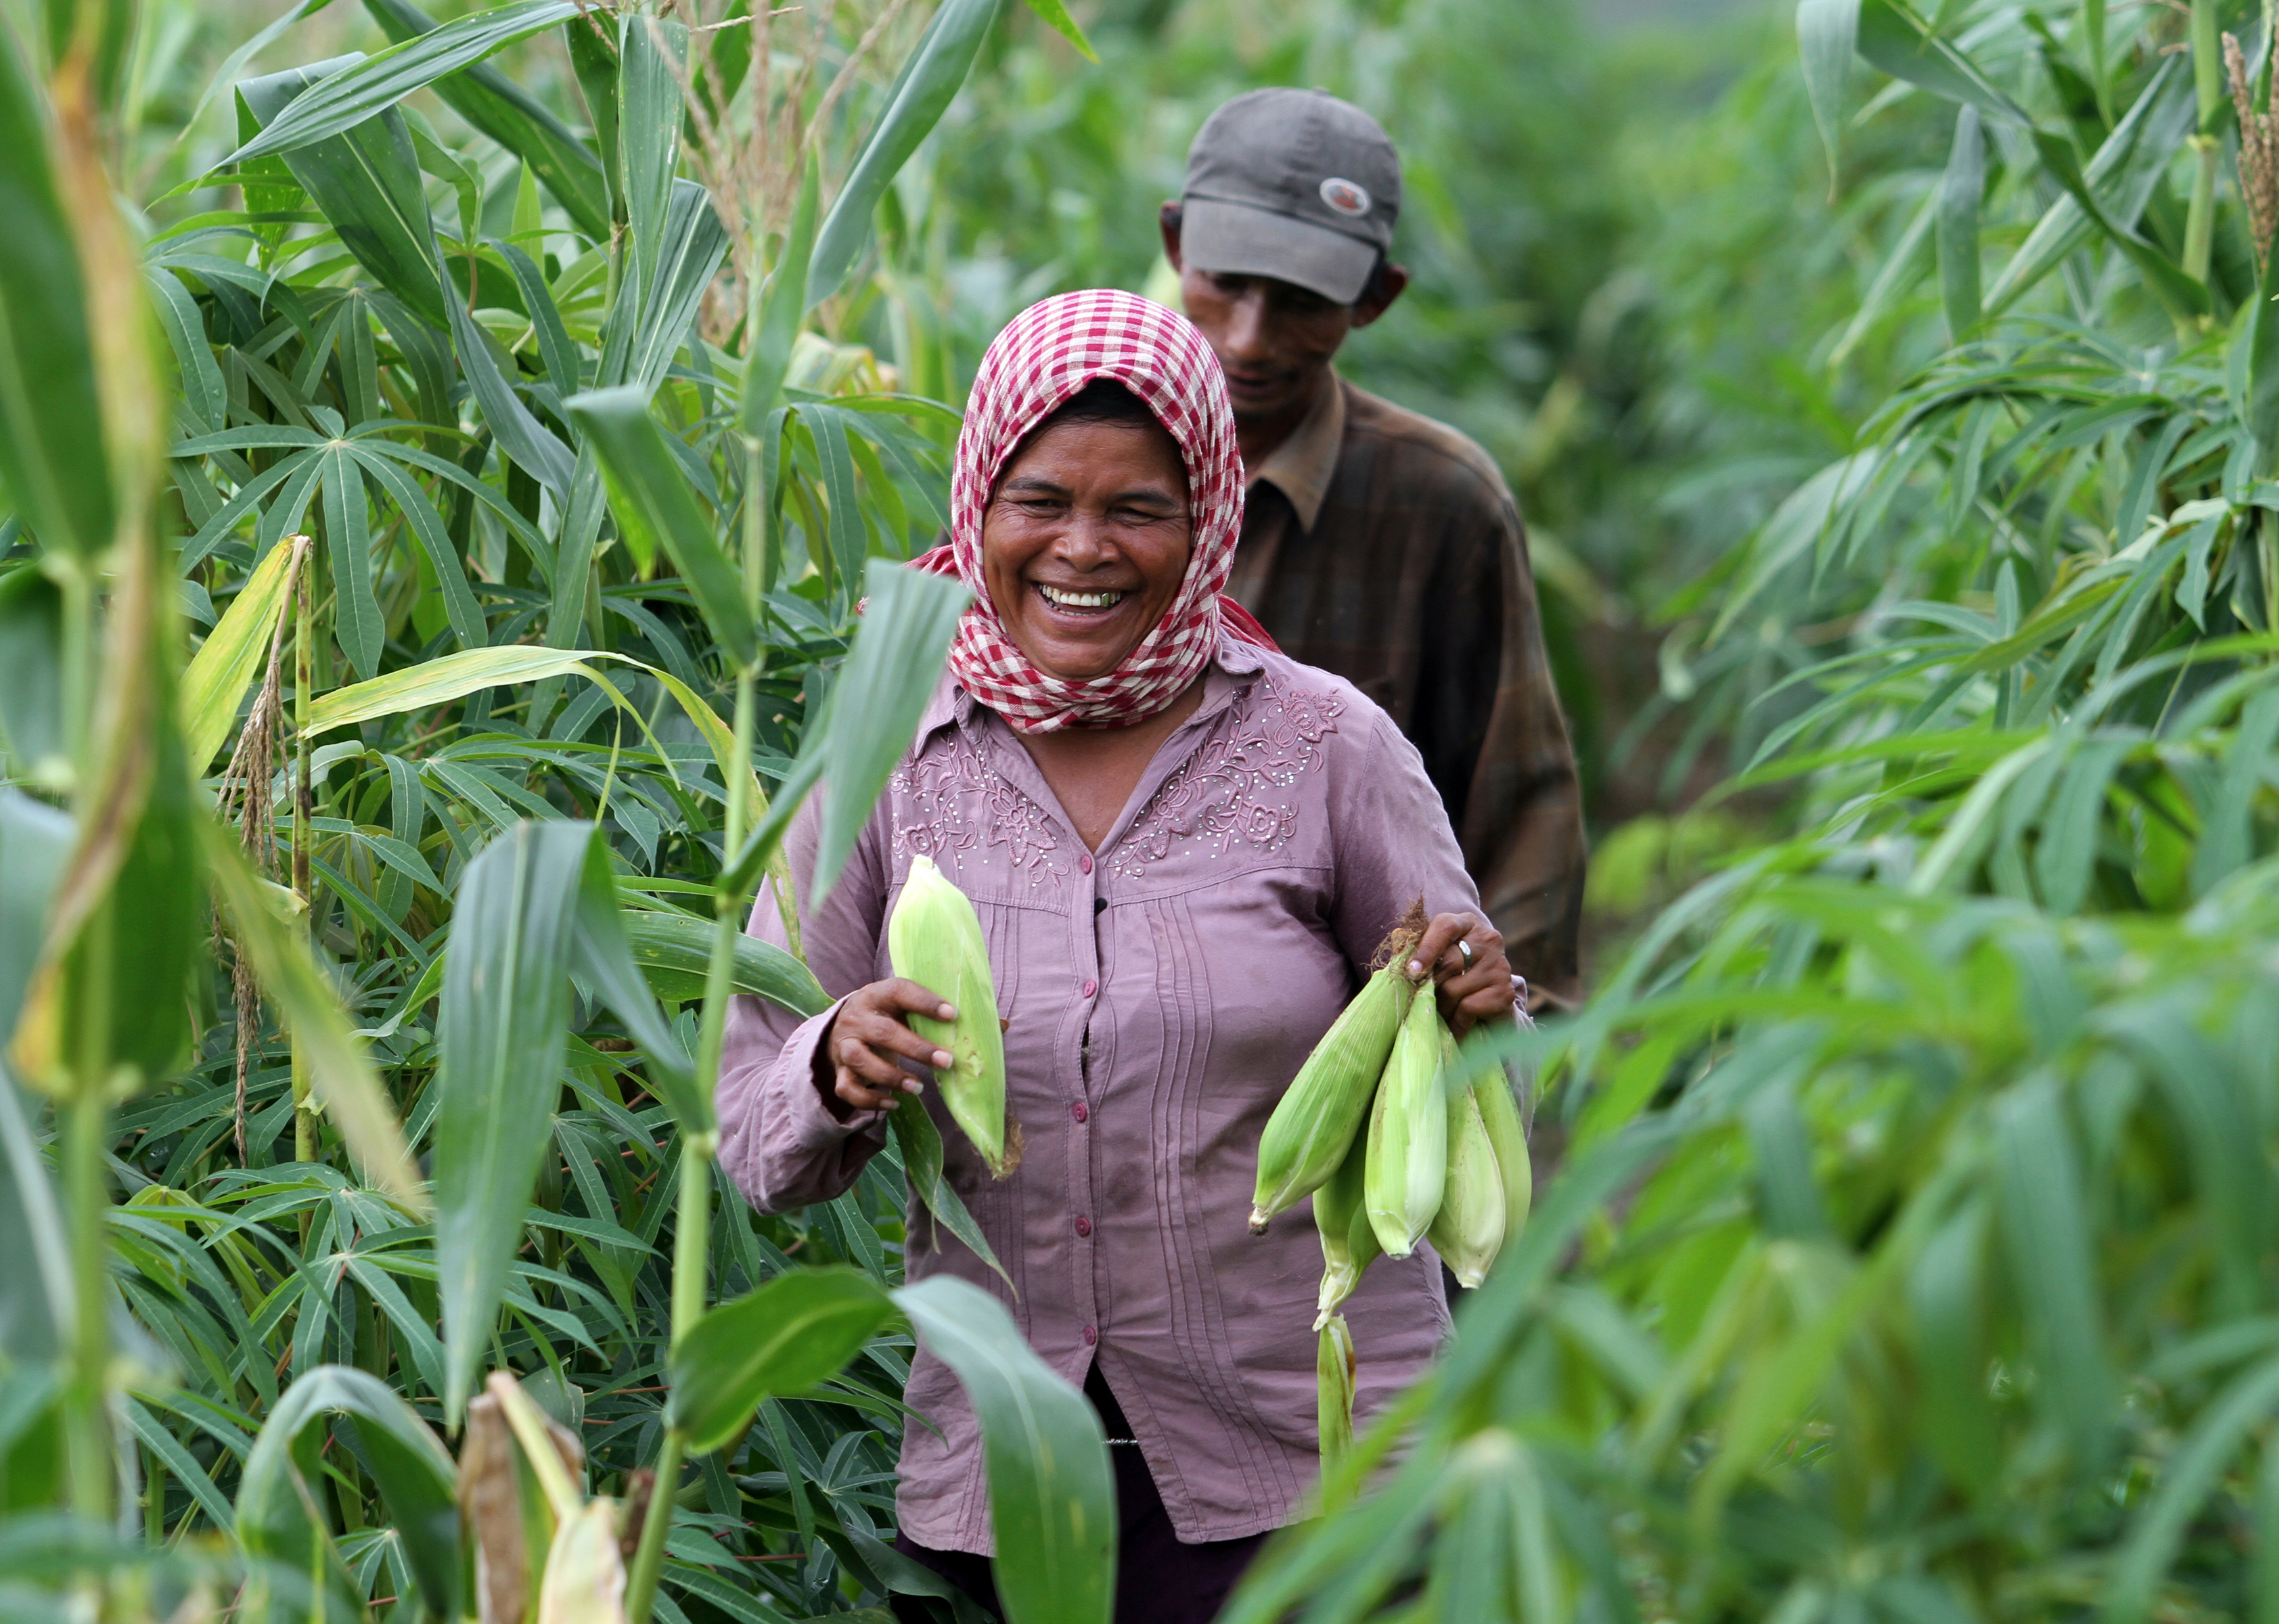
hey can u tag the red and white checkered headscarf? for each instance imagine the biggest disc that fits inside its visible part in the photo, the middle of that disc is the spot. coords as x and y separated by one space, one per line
1046 353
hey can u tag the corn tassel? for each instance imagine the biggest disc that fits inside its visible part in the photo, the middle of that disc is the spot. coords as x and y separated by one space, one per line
1348 1244
934 938
1334 1372
1320 1113
1468 1231
1408 1164
1507 1135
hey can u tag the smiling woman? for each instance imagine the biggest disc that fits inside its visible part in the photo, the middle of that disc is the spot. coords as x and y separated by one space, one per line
1183 849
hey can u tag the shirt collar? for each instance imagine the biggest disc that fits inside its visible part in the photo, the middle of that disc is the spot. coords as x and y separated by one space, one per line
1302 465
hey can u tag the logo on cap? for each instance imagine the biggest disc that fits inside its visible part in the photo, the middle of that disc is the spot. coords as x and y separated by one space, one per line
1344 197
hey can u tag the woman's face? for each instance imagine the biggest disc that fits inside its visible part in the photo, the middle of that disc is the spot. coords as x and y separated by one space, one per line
1084 543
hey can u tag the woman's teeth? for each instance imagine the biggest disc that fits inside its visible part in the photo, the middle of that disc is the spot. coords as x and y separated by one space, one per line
1080 599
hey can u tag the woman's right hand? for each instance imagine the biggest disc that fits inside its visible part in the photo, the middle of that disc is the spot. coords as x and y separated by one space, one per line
870 1037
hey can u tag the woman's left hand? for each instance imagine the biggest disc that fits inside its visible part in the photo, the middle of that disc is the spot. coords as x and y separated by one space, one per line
1474 977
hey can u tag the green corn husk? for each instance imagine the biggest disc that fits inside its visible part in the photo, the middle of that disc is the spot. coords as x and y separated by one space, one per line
1508 1137
934 938
1320 1115
1348 1242
1468 1230
1334 1371
1407 1165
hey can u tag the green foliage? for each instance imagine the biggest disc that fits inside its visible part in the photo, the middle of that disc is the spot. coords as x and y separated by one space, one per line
1911 1254
515 625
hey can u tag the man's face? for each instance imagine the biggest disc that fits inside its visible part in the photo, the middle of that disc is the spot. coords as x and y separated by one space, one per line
1274 340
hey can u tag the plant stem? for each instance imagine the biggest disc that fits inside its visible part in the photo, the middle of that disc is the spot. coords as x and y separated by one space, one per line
649 1560
2199 225
87 1121
304 1120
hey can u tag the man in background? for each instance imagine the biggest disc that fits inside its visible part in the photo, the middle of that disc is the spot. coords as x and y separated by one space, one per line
1376 543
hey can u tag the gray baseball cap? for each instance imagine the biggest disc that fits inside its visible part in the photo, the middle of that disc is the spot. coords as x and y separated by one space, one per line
1291 184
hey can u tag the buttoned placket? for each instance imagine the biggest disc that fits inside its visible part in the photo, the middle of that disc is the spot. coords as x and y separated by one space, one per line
1088 906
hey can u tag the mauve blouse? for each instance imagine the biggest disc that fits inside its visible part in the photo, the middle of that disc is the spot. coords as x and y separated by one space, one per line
1162 993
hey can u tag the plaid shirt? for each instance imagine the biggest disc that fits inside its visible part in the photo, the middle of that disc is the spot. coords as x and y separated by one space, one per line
1386 547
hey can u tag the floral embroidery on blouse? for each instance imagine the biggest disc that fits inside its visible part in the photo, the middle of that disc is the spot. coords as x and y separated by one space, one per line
1228 790
955 804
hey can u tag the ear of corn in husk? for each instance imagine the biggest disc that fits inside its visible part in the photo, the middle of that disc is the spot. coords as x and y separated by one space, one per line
1348 1242
1468 1230
1407 1161
1320 1115
1334 1371
934 938
1507 1135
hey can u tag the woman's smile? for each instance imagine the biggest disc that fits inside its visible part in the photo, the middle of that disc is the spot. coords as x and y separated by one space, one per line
1083 603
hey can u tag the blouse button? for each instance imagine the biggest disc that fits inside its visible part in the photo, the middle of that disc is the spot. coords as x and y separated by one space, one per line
1080 1111
1091 987
1083 863
1084 1226
1091 1335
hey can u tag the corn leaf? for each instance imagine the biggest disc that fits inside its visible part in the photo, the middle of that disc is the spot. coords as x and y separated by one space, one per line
791 1334
1051 1501
923 91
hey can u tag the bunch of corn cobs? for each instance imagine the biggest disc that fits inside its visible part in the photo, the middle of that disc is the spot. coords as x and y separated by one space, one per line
1397 1142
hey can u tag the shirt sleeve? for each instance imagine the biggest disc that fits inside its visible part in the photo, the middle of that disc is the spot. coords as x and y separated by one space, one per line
1495 747
784 1147
1393 849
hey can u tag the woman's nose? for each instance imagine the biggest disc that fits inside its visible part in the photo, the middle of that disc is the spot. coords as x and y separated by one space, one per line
1083 540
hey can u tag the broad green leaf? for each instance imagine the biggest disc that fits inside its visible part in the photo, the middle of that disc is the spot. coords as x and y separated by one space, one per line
1946 1297
673 951
520 434
356 623
109 1007
602 956
2261 344
501 1038
36 1287
203 391
796 1330
649 117
342 1078
52 460
2178 293
31 671
1903 45
2200 1460
928 82
783 305
1052 1504
692 244
442 680
1826 32
1056 14
650 492
282 1485
2046 1224
1959 193
920 1142
2124 173
874 708
233 657
519 121
367 183
376 84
